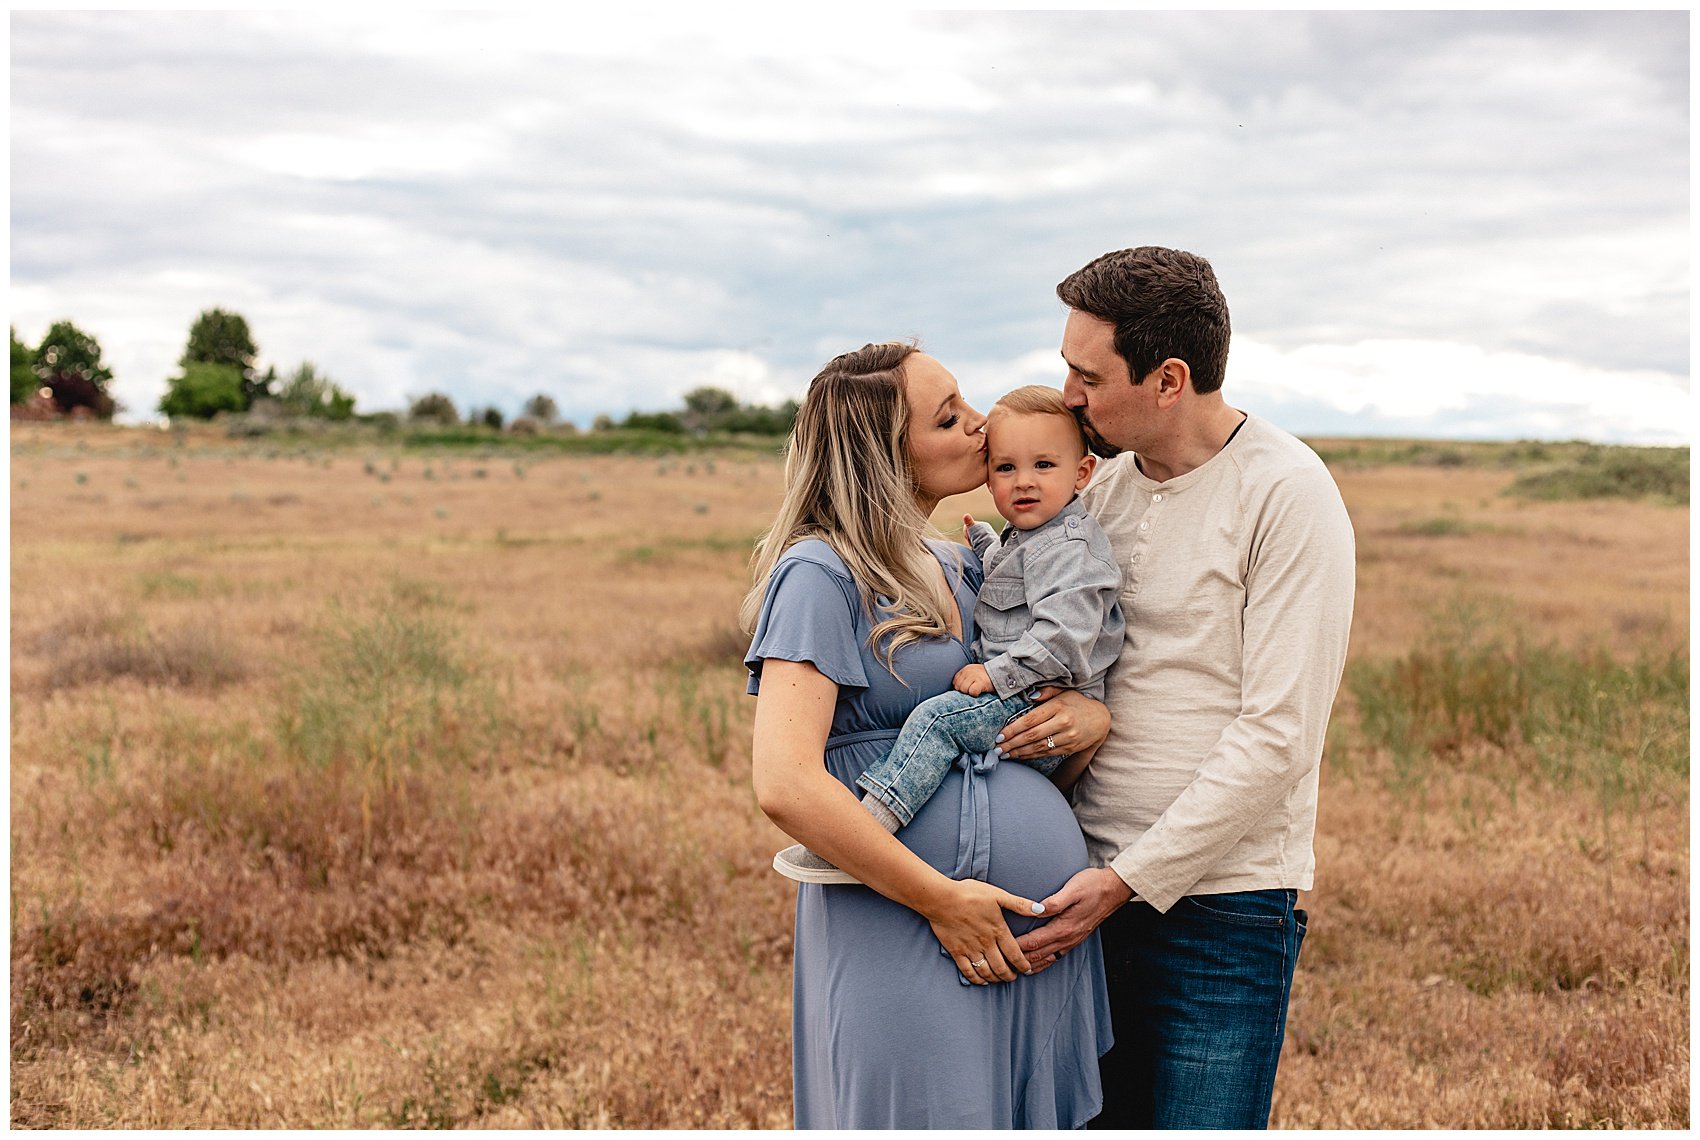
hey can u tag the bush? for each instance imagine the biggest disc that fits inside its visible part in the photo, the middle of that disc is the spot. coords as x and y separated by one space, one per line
306 393
25 383
68 364
653 421
434 407
1659 473
760 420
541 407
204 390
98 648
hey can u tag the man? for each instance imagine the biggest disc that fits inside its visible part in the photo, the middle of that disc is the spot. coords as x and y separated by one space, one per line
1200 808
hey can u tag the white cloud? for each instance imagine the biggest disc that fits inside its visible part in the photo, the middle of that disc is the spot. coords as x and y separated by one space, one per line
368 152
627 207
1389 383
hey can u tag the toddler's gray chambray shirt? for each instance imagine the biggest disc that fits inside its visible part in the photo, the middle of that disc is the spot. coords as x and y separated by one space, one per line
1047 613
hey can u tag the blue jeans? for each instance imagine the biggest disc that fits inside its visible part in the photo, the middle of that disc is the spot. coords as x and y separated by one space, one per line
939 730
1198 998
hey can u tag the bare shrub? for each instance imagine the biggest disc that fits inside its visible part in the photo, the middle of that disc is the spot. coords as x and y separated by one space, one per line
73 958
583 856
723 644
194 654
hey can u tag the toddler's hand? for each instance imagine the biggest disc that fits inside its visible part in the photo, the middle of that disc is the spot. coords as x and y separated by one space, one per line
967 523
973 680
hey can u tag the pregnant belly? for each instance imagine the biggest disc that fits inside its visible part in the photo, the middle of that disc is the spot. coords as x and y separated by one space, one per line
1035 843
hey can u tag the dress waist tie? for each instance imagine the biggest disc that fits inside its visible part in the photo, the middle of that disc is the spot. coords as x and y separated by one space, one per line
974 824
974 821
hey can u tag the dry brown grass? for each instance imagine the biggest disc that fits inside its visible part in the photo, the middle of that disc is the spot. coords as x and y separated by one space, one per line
530 886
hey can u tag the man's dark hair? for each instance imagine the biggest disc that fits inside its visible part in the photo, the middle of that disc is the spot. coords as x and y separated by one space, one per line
1163 302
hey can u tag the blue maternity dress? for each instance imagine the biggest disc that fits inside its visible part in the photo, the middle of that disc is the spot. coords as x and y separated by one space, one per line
884 1033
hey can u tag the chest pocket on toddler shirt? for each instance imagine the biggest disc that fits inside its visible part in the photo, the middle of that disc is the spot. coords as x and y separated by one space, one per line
1003 615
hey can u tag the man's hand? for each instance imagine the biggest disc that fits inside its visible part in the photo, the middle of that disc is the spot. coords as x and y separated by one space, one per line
973 680
1074 912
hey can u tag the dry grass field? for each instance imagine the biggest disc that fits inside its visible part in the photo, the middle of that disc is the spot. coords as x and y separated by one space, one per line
370 787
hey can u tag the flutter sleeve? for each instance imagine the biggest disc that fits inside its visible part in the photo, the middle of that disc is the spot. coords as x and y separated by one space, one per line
812 613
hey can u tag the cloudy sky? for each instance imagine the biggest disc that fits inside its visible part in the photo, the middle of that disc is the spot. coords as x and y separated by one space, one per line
1469 225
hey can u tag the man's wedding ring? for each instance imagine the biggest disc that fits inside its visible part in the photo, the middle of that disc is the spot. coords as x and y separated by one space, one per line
1051 742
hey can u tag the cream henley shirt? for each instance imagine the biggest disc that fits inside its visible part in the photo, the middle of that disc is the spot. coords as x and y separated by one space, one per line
1237 589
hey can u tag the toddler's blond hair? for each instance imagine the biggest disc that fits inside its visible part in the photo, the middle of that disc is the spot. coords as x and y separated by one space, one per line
1037 400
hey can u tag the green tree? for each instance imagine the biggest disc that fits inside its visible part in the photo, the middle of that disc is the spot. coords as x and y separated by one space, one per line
706 407
204 390
68 363
307 393
434 406
490 417
218 337
25 382
541 407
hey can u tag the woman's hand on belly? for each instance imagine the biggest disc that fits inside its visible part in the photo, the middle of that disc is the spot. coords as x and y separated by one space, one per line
967 917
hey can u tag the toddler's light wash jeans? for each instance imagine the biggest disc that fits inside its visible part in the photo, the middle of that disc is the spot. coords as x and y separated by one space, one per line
935 734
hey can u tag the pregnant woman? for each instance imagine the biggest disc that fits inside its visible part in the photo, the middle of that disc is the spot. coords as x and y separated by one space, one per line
861 611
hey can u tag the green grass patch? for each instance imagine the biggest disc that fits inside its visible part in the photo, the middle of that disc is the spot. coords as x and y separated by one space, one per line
1532 455
1659 474
170 586
1482 695
394 690
1428 453
1443 526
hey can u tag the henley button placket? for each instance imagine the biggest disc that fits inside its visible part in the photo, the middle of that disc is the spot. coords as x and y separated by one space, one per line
1143 538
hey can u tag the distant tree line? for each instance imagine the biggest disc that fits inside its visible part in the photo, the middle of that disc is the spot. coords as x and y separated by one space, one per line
65 376
710 409
705 410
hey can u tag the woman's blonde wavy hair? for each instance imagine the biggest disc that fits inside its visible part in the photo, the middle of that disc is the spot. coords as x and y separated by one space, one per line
848 482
